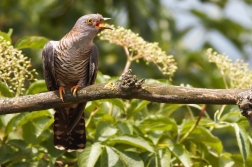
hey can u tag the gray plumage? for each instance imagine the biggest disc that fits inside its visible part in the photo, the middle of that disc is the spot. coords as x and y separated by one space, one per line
71 63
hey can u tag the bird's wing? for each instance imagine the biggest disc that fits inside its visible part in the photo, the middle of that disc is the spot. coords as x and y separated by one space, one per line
48 55
48 66
92 73
93 65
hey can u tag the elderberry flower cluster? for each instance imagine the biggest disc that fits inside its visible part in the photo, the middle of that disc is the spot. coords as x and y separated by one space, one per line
235 74
136 48
15 68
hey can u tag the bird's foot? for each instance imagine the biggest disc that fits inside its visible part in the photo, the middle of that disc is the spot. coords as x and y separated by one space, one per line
74 89
61 92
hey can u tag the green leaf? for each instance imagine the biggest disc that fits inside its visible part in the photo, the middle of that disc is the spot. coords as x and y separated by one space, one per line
157 122
231 116
155 136
13 122
9 127
238 159
133 140
125 127
41 124
23 164
36 87
6 36
116 102
104 131
182 154
136 106
164 157
34 127
36 42
225 160
89 156
138 131
167 109
20 119
4 90
130 159
148 158
242 140
29 133
203 135
28 117
110 158
21 145
52 151
6 153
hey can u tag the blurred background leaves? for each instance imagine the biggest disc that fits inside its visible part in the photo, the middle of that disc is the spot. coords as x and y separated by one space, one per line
182 28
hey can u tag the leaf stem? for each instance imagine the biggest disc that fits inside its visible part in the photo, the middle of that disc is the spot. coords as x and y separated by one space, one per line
91 117
128 63
195 125
221 111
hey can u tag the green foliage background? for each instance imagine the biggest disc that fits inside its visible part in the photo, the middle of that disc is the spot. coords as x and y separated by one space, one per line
131 132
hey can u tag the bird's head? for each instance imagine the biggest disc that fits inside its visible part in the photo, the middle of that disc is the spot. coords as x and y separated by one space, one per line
90 25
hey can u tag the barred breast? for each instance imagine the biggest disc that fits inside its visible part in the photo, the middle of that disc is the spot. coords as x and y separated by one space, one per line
70 72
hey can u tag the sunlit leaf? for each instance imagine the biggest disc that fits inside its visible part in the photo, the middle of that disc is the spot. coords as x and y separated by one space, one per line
41 124
157 122
28 117
125 127
242 140
13 122
231 116
116 102
130 159
133 140
155 136
109 158
225 160
104 130
29 133
182 154
136 106
37 87
238 159
6 36
164 157
4 90
33 124
9 127
167 109
138 131
89 156
36 42
203 135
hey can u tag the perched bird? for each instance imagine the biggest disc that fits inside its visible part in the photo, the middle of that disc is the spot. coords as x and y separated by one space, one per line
71 63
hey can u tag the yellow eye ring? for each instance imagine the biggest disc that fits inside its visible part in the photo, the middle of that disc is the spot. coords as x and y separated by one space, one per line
89 21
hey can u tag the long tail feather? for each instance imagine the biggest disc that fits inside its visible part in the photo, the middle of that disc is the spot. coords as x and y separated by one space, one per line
66 136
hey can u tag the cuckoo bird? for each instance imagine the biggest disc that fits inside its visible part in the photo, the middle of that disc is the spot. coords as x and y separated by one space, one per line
71 63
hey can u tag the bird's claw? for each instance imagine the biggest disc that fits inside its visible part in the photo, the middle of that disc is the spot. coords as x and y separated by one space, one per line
61 92
74 89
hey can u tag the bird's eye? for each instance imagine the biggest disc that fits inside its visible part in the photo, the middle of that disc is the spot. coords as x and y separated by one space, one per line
89 21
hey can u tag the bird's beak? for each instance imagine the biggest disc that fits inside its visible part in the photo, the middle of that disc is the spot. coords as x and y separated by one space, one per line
98 24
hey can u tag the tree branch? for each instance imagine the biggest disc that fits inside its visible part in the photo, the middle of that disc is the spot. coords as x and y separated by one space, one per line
154 93
128 88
